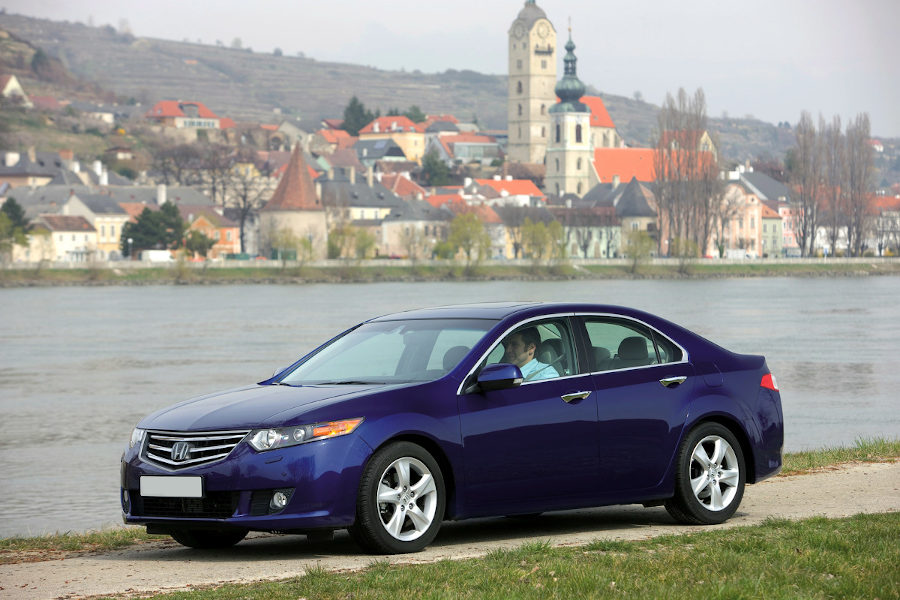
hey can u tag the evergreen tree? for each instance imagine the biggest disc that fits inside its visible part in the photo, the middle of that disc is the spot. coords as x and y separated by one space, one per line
16 214
356 116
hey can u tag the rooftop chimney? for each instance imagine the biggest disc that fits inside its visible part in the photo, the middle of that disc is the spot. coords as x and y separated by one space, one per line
615 181
161 194
352 175
11 159
370 175
97 167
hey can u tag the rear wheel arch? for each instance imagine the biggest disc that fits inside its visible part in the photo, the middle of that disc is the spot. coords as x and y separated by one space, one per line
435 450
739 433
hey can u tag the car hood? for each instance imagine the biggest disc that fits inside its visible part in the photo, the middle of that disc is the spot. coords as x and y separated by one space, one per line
244 408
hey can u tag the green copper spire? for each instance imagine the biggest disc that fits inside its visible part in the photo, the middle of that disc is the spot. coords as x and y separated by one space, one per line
570 89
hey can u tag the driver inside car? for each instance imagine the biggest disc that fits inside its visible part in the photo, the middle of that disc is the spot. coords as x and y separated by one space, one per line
520 347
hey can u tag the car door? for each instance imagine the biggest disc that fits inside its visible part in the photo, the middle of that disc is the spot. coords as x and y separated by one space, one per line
532 447
644 384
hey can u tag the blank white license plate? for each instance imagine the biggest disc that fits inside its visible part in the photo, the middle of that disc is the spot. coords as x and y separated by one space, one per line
172 487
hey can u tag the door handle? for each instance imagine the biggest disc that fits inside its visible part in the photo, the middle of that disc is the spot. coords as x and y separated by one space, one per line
673 381
569 398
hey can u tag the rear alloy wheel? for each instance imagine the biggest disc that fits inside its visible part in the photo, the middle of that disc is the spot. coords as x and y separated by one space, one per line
401 500
207 539
709 483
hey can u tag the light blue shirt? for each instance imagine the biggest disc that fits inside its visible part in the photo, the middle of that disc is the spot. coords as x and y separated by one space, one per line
535 370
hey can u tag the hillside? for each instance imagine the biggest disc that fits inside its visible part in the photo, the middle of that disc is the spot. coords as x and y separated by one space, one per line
248 86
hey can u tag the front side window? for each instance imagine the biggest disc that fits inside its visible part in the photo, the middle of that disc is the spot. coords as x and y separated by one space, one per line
541 349
391 352
622 344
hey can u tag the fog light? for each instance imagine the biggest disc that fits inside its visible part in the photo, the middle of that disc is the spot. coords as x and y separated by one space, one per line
126 501
279 501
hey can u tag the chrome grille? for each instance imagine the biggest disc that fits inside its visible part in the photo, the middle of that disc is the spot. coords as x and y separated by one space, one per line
181 449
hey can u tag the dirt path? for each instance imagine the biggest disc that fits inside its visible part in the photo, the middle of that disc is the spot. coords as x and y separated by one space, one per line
838 492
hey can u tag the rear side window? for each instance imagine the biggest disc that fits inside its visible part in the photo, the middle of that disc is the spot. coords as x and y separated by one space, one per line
621 344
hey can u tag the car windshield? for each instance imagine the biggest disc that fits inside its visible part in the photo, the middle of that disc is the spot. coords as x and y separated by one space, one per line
391 352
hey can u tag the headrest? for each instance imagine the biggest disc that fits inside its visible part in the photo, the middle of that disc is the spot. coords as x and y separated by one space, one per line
600 354
549 351
453 356
633 348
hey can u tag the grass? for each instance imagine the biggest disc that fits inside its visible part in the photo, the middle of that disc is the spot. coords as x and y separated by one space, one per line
854 557
360 272
58 545
17 549
875 449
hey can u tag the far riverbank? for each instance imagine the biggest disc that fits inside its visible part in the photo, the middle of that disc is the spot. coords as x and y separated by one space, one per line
366 271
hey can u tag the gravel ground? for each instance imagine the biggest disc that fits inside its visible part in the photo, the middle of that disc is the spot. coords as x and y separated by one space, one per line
834 492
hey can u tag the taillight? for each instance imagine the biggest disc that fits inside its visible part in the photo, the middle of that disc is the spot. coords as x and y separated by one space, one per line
768 382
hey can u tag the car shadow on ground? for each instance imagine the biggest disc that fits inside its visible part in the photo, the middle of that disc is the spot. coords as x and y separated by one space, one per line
468 537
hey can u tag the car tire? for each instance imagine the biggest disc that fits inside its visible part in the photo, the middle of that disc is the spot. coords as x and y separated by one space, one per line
207 539
710 476
401 500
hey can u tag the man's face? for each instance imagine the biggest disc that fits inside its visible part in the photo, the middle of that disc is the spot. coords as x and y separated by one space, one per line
517 351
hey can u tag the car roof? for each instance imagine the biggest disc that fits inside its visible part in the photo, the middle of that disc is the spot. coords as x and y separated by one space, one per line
502 310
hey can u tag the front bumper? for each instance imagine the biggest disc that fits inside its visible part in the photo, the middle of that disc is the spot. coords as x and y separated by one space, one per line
321 479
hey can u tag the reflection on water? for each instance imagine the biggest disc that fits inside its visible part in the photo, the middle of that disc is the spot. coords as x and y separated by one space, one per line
80 366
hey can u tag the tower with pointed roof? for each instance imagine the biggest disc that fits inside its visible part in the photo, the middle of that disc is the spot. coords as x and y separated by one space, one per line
569 149
532 75
295 206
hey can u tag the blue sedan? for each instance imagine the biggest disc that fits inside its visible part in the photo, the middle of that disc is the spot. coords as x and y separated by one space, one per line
409 419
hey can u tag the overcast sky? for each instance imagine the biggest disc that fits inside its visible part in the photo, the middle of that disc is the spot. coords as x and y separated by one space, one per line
766 58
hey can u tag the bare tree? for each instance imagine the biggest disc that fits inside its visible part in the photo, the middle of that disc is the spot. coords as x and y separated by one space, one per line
686 186
514 218
834 154
216 161
247 188
179 164
806 177
860 165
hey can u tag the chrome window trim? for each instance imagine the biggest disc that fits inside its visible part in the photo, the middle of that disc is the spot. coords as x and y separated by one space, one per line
459 390
684 353
685 358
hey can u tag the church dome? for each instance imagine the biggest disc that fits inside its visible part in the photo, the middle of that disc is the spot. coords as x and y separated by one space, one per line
570 89
530 13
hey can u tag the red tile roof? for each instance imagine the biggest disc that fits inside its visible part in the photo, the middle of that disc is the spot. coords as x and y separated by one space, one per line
295 191
269 127
514 187
485 213
449 118
768 213
391 125
192 212
627 163
599 116
333 136
134 209
438 200
401 185
333 123
226 123
67 223
172 108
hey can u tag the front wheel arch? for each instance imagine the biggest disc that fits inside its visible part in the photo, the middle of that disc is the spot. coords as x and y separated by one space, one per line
437 452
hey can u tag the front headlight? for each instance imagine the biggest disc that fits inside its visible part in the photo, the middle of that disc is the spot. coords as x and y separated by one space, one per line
270 439
137 437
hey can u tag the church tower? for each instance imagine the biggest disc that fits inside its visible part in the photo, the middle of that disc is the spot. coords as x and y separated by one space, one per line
532 75
569 149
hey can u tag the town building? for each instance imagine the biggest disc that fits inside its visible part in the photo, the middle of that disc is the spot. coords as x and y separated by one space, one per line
532 78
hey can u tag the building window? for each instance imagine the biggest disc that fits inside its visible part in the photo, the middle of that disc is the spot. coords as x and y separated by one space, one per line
520 132
544 64
579 188
557 132
578 163
103 231
112 231
518 87
228 235
519 64
578 134
520 110
557 165
543 132
634 226
543 109
752 222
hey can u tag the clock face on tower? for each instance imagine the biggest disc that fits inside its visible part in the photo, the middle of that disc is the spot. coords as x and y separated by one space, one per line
543 30
519 29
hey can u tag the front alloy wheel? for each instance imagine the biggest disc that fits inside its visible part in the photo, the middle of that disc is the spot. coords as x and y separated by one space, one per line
710 480
401 500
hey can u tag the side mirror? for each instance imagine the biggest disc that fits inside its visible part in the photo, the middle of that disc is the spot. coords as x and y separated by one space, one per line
500 376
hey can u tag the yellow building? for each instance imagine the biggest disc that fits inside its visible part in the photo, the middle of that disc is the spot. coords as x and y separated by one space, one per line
406 134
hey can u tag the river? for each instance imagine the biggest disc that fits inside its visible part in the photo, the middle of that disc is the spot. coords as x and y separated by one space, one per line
79 366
